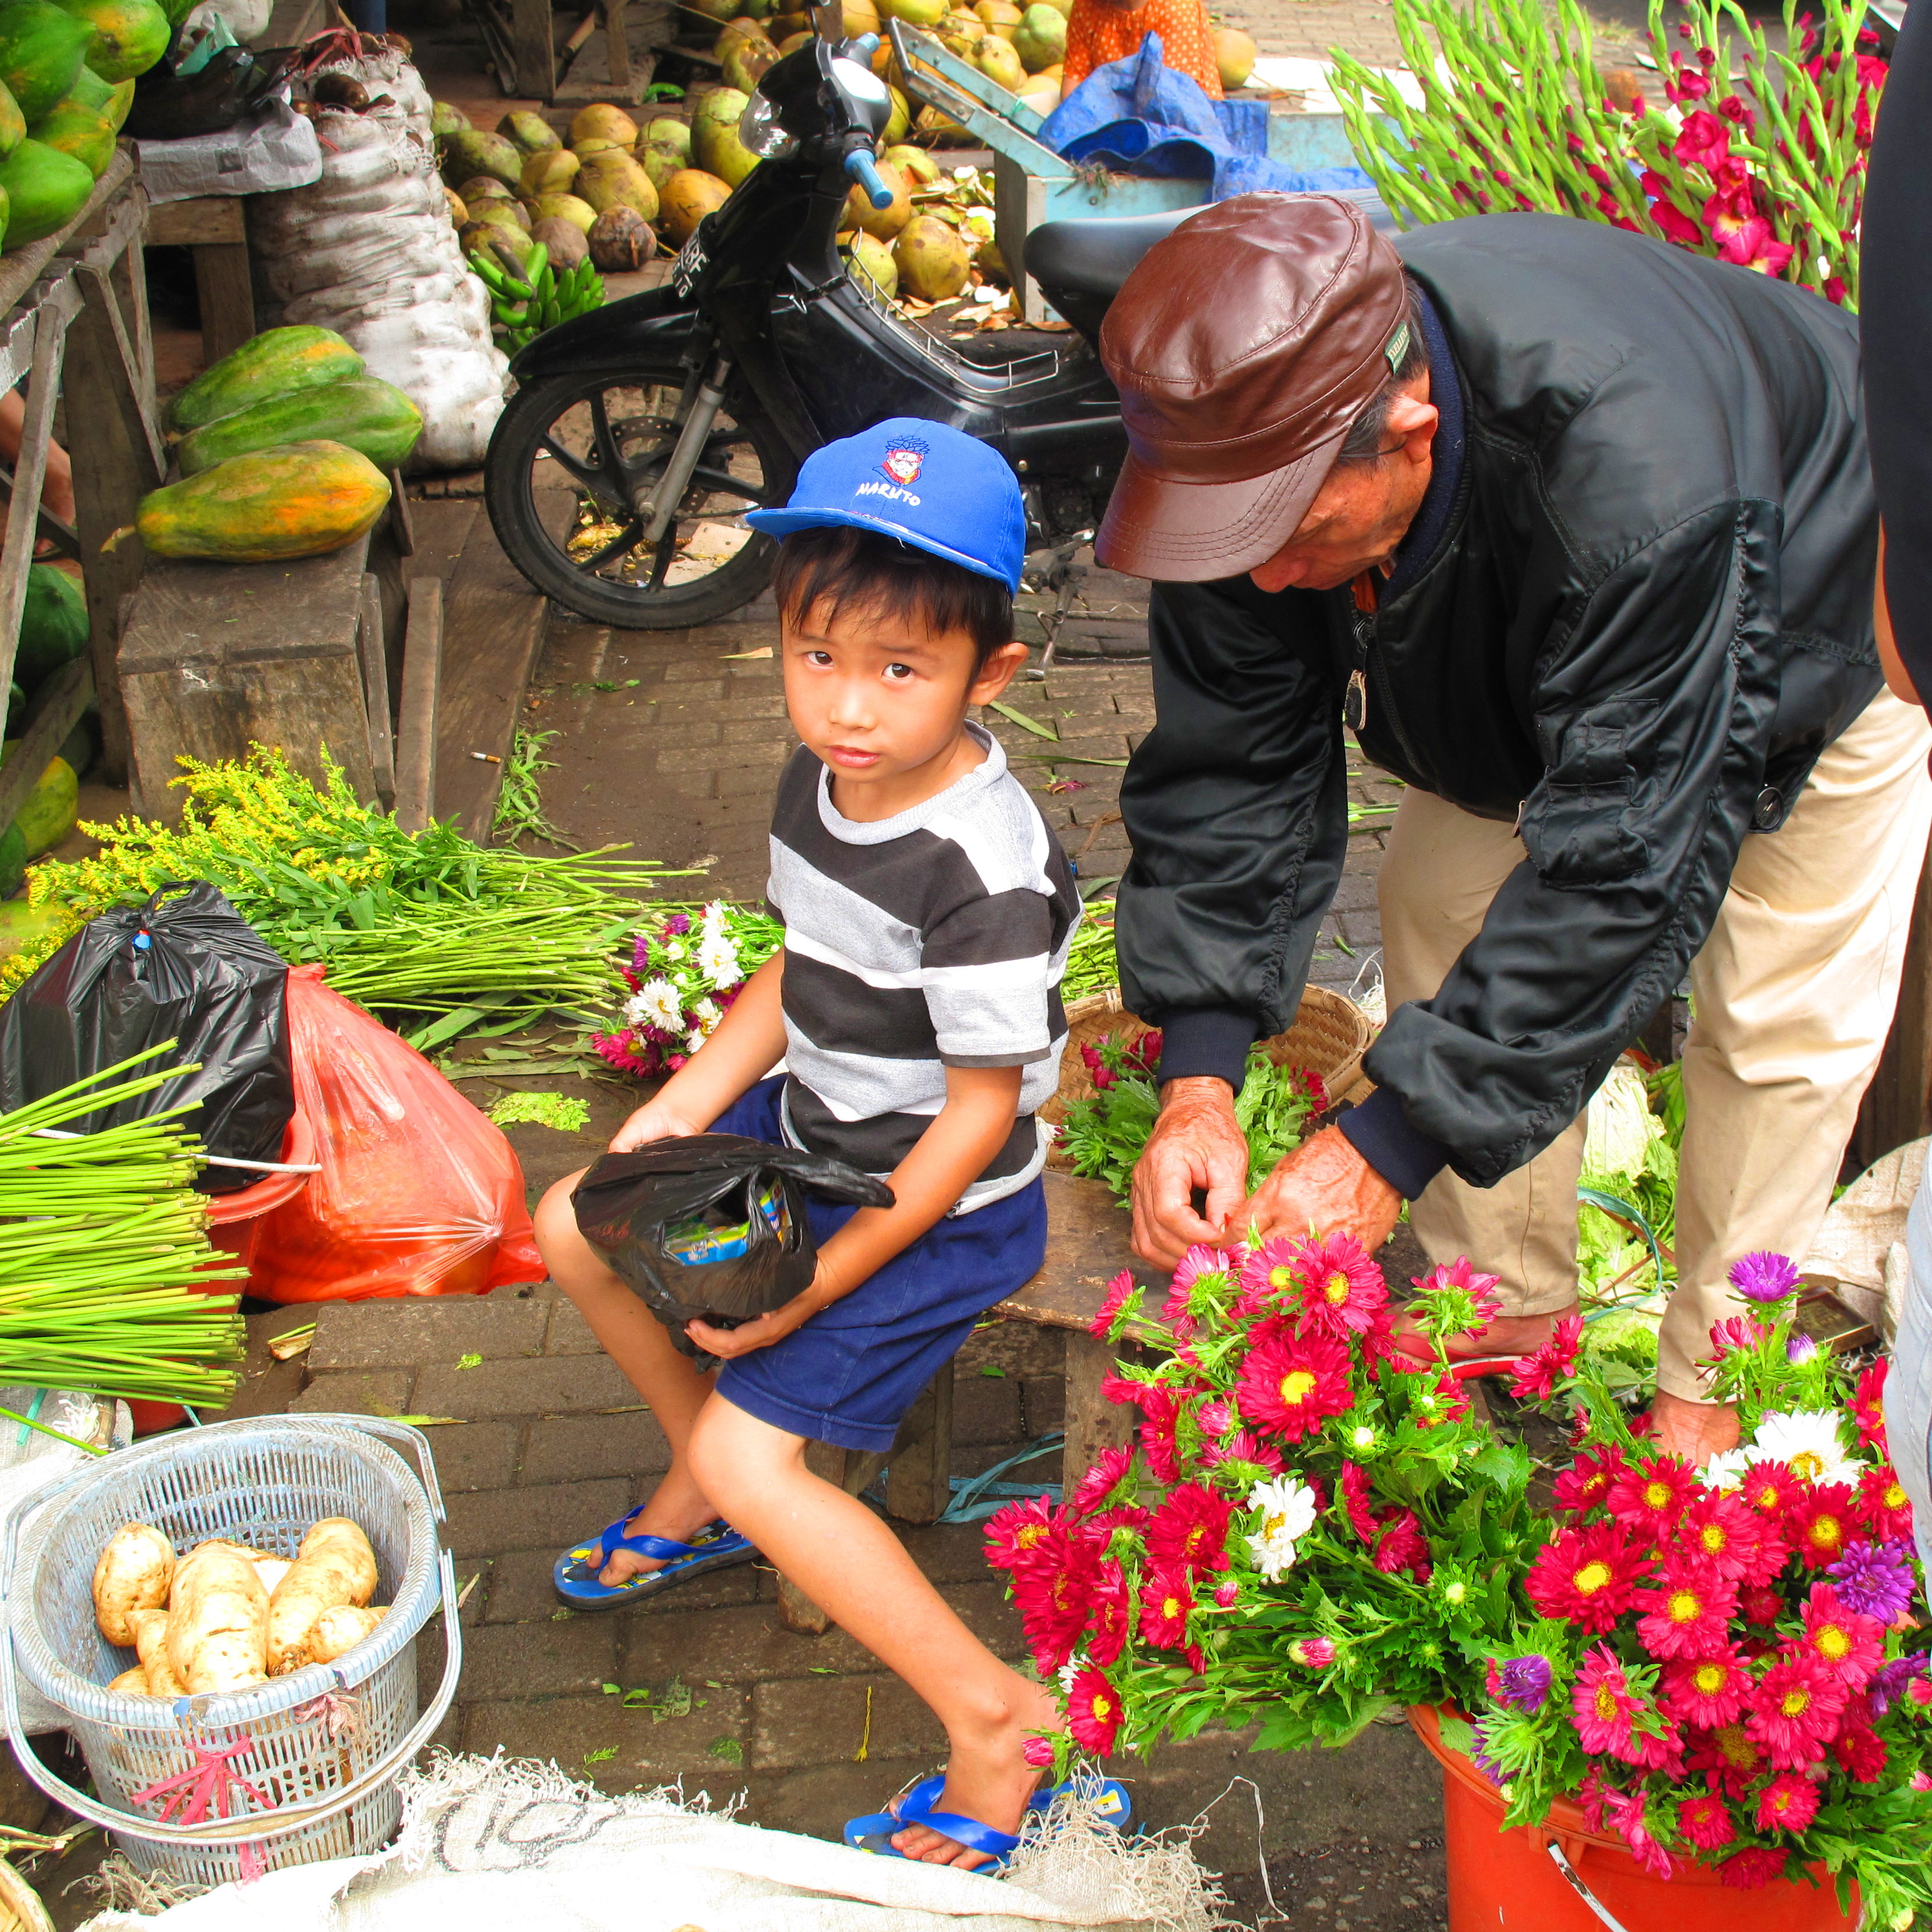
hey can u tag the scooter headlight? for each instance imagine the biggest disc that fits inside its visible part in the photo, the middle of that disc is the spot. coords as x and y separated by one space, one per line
758 128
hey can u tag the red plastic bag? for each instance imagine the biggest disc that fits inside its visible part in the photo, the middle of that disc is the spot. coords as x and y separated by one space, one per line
418 1193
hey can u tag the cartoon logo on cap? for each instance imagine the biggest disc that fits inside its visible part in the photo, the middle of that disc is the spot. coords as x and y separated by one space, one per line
903 462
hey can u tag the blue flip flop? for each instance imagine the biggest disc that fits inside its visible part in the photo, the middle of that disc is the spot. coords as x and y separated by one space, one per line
874 1832
574 1577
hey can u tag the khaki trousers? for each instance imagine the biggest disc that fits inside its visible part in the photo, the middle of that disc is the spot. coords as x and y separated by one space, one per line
1792 997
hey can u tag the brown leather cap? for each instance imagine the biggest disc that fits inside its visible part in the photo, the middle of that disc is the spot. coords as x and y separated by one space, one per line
1243 346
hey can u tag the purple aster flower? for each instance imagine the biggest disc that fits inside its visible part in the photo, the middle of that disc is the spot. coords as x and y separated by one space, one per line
1523 1682
640 956
1479 1756
1764 1278
1876 1579
1800 1348
1889 1682
678 925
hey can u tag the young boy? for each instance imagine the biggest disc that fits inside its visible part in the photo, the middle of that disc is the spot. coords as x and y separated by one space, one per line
916 1006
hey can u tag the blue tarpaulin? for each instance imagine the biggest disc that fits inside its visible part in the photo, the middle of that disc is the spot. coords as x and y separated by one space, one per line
1138 117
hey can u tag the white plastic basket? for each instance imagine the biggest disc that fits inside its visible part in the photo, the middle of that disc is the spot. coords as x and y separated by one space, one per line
324 1744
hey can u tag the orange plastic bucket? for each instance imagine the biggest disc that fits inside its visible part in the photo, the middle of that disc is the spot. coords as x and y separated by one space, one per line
1506 1881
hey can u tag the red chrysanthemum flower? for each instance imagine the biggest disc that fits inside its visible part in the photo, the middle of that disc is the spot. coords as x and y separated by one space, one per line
1861 1751
1883 1507
1457 1280
1108 1471
1093 1713
1269 1276
1589 1577
1400 1546
1796 1707
1602 1703
1868 1406
1730 1761
1122 1285
1111 1622
1652 1496
1708 1691
1760 1604
1752 1868
1244 1446
1789 1803
1190 1530
1167 1597
1289 1384
1013 1532
1587 1481
1448 1401
1706 1822
1355 1492
1688 1611
1718 1529
1850 1644
1159 1406
1627 1812
1538 1373
1342 1287
1770 1489
1822 1523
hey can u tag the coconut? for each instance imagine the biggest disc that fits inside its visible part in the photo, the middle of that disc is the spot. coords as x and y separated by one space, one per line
943 128
613 180
932 260
998 60
549 173
882 223
919 167
444 119
871 260
969 24
563 238
569 208
792 42
620 241
1001 17
531 133
467 153
898 124
689 196
861 17
915 12
476 236
1040 39
715 144
661 151
784 26
485 187
747 60
1234 57
603 121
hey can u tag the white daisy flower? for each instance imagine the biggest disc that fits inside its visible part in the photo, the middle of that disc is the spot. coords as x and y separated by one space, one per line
655 1004
1726 1471
705 1016
1287 1514
718 960
1809 1442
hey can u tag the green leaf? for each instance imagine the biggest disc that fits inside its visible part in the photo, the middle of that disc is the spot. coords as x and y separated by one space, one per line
469 1361
448 1028
729 1749
1026 723
603 1756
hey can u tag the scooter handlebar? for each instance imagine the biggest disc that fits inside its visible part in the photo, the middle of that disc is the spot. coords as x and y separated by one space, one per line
859 165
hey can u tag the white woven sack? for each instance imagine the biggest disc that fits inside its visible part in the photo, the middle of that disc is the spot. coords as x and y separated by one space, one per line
368 251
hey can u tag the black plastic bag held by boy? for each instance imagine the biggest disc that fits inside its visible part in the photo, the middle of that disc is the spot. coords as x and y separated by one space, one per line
711 1227
185 967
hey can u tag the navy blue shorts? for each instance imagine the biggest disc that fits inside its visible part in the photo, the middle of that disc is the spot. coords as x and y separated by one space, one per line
848 1376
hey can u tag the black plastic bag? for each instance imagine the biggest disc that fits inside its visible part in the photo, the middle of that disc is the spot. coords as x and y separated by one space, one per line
711 1227
171 107
185 967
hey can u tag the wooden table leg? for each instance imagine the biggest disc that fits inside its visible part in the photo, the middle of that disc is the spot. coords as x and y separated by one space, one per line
535 45
1093 1422
918 1482
227 295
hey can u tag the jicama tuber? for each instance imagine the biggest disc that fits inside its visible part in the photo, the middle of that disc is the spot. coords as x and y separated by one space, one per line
335 1566
131 1683
218 1620
336 1632
272 1570
133 1573
150 1643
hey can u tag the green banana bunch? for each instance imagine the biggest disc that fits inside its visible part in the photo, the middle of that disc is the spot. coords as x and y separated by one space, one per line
527 297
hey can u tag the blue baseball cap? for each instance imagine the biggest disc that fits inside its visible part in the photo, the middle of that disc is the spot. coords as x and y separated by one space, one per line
929 485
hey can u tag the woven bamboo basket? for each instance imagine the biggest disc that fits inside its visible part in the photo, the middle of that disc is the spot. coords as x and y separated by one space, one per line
1330 1035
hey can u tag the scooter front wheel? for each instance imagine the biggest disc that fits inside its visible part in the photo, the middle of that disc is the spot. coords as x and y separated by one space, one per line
573 456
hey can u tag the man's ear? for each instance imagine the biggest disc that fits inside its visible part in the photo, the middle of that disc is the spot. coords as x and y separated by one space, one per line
1414 418
1001 668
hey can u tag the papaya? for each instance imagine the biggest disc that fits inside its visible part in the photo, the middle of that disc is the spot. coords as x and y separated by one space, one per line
129 36
13 871
53 625
301 499
52 807
274 363
361 412
45 189
42 49
84 132
13 123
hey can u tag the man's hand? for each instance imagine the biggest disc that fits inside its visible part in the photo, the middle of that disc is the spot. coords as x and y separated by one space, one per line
1326 1185
1195 1144
727 1343
655 1120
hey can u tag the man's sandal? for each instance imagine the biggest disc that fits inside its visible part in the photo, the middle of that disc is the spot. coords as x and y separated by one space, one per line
574 1577
874 1831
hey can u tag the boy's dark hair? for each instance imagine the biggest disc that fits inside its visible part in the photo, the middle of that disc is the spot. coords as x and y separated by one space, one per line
836 565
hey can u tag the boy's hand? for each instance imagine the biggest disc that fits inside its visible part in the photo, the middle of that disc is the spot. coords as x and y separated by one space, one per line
655 1120
727 1343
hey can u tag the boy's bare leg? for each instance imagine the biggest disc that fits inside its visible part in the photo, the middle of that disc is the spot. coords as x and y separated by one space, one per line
641 1344
854 1567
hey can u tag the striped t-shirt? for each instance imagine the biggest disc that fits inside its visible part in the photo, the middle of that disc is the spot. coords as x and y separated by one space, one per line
933 939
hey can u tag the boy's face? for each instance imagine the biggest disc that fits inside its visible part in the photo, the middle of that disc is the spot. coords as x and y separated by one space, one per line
883 700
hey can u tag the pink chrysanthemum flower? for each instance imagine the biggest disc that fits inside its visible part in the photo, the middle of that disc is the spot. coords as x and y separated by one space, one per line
1883 1507
1861 1751
1587 1482
1106 1473
1706 1822
1401 1547
1850 1646
1355 1491
1625 1812
1765 1279
1789 1803
1708 1691
1311 1653
1538 1373
1456 1300
1215 1417
1717 1528
1053 1592
1796 1707
1167 1596
1244 1446
1093 1713
1160 1405
1290 1384
1013 1532
1588 1577
1752 1869
1687 1612
1270 1277
1729 1760
1118 1290
1342 1289
1823 1523
1651 1497
1189 1530
1111 1621
1200 1263
1868 1406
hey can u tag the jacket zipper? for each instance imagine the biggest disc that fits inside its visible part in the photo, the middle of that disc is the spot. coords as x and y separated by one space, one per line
1355 697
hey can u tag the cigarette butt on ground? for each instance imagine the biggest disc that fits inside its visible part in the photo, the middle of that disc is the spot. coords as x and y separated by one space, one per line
486 757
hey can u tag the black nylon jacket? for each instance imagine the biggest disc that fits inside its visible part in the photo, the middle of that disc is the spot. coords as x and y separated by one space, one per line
1649 612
